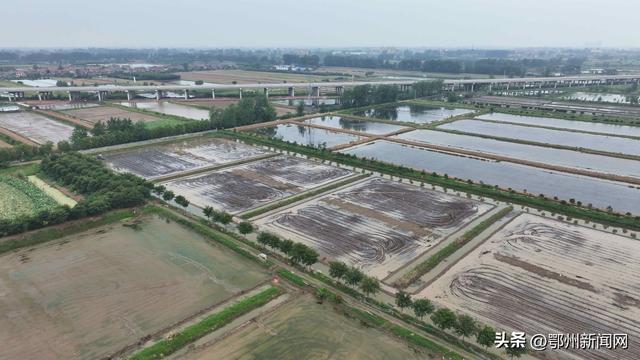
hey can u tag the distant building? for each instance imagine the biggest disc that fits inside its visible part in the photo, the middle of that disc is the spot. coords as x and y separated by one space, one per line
290 68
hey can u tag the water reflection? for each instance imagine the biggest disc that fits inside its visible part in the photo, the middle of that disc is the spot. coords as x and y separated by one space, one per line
413 113
601 193
304 135
370 127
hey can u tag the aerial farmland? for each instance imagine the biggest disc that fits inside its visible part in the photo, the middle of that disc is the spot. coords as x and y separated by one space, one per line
321 199
538 274
373 225
121 282
174 157
244 187
33 129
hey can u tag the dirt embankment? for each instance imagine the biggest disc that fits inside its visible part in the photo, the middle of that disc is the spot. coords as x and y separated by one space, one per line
18 137
66 118
614 177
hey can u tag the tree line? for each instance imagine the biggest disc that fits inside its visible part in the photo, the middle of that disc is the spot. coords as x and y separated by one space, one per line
445 319
103 190
487 66
249 110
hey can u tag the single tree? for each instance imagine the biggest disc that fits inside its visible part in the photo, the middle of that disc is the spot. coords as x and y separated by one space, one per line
245 227
309 256
159 189
222 217
466 326
369 286
444 318
286 246
300 108
168 195
486 336
338 270
182 201
353 277
403 300
208 211
422 307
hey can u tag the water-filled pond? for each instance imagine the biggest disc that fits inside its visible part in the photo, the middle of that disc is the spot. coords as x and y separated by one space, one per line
600 193
169 108
413 113
606 143
559 157
306 135
339 122
612 129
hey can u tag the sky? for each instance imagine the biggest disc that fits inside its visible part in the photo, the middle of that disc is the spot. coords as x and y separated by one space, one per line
320 23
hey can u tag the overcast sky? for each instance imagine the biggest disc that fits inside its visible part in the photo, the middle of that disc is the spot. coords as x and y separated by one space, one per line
319 23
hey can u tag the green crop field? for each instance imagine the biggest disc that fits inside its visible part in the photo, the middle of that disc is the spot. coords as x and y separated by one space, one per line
20 197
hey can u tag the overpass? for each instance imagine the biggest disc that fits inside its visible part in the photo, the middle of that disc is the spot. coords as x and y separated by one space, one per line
315 88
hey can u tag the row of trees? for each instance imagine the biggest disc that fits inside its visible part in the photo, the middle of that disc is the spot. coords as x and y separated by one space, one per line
365 95
488 66
307 60
250 110
122 131
445 319
103 190
23 152
298 253
354 277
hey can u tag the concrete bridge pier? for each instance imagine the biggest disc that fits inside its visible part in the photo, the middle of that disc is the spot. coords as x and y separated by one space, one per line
159 95
130 95
44 95
339 90
102 95
473 85
292 91
315 91
266 92
240 94
73 95
16 95
186 94
213 94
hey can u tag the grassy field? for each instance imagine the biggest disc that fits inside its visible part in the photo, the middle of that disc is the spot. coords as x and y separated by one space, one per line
304 329
123 281
7 83
19 197
52 192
